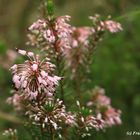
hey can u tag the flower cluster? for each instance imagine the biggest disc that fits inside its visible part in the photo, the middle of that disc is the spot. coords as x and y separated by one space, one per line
81 36
110 25
112 116
35 85
75 55
51 116
84 42
87 121
102 103
51 32
77 44
34 77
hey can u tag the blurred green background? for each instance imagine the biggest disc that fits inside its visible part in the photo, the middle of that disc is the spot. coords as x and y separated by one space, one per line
116 62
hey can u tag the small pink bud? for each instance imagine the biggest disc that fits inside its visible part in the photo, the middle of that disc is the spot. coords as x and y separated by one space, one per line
22 52
30 54
34 67
14 67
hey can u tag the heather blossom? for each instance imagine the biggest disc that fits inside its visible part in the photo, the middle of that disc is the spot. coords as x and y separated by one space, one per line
110 25
84 42
34 77
51 116
81 35
99 97
102 106
112 116
80 44
86 121
53 33
16 101
91 122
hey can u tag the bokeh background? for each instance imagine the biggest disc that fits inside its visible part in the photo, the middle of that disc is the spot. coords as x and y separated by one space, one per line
116 65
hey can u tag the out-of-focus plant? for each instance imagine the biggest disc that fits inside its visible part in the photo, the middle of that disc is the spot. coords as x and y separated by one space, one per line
61 48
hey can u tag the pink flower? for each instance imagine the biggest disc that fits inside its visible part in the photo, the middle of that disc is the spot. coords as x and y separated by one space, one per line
103 108
76 55
56 33
34 77
38 25
103 100
70 119
99 98
113 26
34 67
54 115
112 116
82 35
94 122
49 36
16 101
109 25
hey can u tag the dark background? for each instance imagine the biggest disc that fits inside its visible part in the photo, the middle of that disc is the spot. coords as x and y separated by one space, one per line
116 62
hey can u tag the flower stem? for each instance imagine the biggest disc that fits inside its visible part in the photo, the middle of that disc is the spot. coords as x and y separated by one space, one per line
58 63
53 137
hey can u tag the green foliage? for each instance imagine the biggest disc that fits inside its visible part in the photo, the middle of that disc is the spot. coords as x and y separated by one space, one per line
85 112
